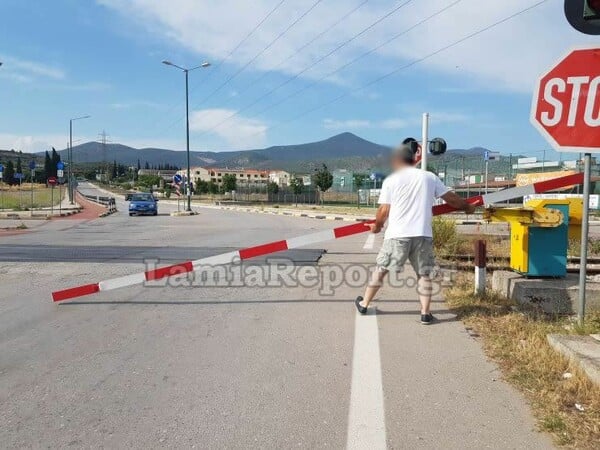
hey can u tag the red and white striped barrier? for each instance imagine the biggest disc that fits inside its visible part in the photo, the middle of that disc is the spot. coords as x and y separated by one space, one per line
301 241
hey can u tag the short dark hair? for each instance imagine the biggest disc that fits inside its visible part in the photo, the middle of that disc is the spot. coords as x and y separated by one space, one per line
404 153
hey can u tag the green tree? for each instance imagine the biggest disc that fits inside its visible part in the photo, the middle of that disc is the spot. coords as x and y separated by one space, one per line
148 181
297 186
54 159
115 170
359 180
229 182
272 188
323 178
9 173
19 167
202 187
212 187
47 165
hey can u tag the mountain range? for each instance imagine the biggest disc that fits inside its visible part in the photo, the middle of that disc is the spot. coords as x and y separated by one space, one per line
343 151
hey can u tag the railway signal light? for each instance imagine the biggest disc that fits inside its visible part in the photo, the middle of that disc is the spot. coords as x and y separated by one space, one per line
437 146
591 10
584 15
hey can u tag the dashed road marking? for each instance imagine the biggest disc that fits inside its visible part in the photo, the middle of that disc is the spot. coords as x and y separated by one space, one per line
369 242
366 420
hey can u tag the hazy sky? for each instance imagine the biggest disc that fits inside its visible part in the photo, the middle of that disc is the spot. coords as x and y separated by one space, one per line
299 76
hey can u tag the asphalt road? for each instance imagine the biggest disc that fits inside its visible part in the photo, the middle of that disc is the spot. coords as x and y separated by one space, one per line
236 366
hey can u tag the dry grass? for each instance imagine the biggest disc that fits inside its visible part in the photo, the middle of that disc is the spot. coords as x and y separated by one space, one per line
13 198
575 247
516 340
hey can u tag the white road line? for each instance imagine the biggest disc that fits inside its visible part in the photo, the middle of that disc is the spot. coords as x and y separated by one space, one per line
370 242
366 420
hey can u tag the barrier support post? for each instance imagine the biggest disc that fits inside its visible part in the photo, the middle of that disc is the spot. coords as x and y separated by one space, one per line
480 265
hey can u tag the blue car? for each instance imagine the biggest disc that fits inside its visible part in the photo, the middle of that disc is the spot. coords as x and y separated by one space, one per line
143 204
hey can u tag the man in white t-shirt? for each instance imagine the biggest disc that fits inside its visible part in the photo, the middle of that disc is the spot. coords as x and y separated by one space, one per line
406 201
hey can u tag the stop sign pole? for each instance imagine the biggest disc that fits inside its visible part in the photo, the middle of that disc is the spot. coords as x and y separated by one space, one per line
566 111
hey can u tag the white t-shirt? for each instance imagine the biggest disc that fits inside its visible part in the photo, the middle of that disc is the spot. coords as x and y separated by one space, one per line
411 194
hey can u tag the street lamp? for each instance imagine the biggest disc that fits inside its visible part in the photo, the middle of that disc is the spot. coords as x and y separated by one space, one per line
187 124
70 156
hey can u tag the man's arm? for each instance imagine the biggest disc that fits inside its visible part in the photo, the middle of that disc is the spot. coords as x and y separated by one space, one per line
382 215
458 202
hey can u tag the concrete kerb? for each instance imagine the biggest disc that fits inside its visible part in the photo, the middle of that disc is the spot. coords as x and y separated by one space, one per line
581 350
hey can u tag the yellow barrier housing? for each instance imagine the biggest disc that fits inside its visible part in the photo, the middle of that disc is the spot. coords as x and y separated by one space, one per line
539 234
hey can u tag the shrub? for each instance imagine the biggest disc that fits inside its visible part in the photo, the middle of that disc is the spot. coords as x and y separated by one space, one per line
446 239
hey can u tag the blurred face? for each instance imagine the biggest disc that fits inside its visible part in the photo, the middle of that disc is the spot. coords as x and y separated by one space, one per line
396 163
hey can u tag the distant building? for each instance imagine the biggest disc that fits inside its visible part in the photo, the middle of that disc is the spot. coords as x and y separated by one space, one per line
244 177
280 177
166 175
343 181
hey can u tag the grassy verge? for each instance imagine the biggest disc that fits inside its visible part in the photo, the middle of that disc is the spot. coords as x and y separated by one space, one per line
15 199
516 340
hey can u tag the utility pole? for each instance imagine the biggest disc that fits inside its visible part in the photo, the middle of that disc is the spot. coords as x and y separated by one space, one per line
103 140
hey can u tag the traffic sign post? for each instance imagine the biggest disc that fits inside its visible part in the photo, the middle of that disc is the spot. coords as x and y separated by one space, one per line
19 176
1 190
177 179
32 168
487 157
566 111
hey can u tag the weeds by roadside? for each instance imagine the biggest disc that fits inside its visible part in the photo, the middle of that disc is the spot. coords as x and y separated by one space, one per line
516 340
575 247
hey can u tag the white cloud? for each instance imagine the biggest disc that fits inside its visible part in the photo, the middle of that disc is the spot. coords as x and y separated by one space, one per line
25 71
31 144
395 123
508 57
40 143
239 132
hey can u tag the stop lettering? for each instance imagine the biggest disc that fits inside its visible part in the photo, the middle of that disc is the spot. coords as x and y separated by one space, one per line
566 105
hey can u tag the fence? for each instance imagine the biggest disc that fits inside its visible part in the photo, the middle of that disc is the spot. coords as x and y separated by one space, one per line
109 202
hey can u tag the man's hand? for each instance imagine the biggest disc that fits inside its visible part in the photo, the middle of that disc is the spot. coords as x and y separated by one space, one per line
375 228
458 202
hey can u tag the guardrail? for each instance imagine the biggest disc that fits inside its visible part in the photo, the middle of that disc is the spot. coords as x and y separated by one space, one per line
109 202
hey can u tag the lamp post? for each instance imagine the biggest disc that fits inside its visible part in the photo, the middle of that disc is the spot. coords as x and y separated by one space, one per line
187 125
70 156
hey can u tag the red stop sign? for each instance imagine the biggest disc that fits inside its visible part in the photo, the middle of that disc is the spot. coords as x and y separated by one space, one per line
52 181
566 104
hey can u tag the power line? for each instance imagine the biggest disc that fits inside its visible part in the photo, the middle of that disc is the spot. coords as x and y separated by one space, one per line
255 57
406 66
339 69
300 49
231 52
311 65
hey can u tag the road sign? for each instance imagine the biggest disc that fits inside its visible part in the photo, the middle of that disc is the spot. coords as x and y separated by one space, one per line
566 111
32 164
491 156
52 181
1 171
566 104
177 178
60 173
60 165
18 176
